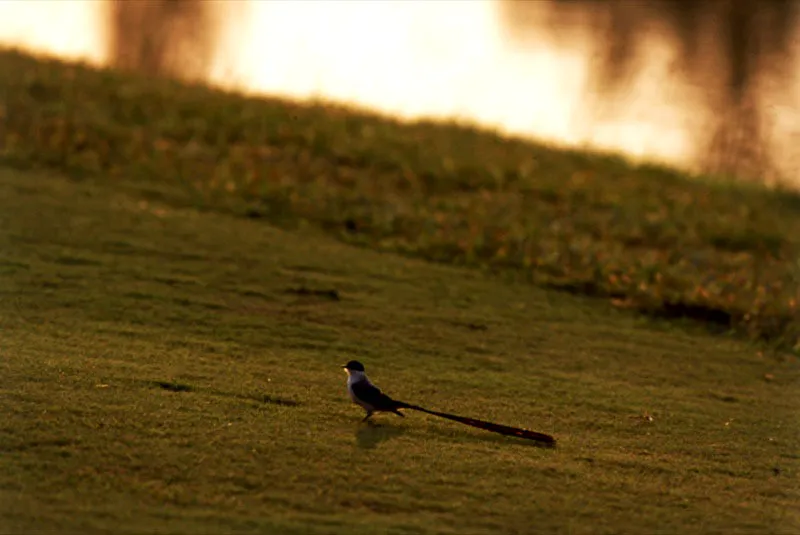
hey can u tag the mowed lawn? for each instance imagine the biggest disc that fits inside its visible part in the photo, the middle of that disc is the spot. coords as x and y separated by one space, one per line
167 370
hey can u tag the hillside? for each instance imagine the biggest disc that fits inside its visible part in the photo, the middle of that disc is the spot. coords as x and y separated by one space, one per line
648 238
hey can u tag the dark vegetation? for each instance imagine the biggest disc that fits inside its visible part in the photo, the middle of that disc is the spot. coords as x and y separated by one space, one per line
162 37
754 40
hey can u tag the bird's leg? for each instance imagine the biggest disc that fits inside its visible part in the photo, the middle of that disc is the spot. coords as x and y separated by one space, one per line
369 413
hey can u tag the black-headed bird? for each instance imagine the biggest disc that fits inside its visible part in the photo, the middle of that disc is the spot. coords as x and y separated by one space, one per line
366 394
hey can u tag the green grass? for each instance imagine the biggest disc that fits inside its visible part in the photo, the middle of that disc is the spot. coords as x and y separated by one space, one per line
163 371
170 366
647 238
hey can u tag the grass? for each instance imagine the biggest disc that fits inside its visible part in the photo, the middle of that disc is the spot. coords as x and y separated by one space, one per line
646 238
166 370
171 345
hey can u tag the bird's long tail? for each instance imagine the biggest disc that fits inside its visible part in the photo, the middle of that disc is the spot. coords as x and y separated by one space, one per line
488 426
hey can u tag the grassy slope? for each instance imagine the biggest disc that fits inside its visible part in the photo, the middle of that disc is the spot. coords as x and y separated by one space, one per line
159 375
647 238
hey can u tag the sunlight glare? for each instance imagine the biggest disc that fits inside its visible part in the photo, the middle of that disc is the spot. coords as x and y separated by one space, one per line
441 59
73 29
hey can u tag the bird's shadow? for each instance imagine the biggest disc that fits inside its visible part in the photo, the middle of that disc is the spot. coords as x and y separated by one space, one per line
369 434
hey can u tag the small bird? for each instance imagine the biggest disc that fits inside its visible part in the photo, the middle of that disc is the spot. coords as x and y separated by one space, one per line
366 394
369 396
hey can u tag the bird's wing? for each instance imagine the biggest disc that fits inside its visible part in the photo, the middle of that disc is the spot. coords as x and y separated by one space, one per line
369 393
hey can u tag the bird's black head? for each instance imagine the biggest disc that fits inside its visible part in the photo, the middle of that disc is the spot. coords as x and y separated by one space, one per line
354 365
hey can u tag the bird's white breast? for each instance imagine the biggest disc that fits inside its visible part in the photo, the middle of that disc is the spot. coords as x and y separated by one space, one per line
353 378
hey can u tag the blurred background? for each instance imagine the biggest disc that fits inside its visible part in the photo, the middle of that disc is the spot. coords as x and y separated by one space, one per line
707 86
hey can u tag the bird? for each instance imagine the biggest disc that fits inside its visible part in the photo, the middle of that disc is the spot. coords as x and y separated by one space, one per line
370 397
366 394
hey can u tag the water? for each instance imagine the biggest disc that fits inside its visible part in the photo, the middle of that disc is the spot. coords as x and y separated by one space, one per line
519 70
